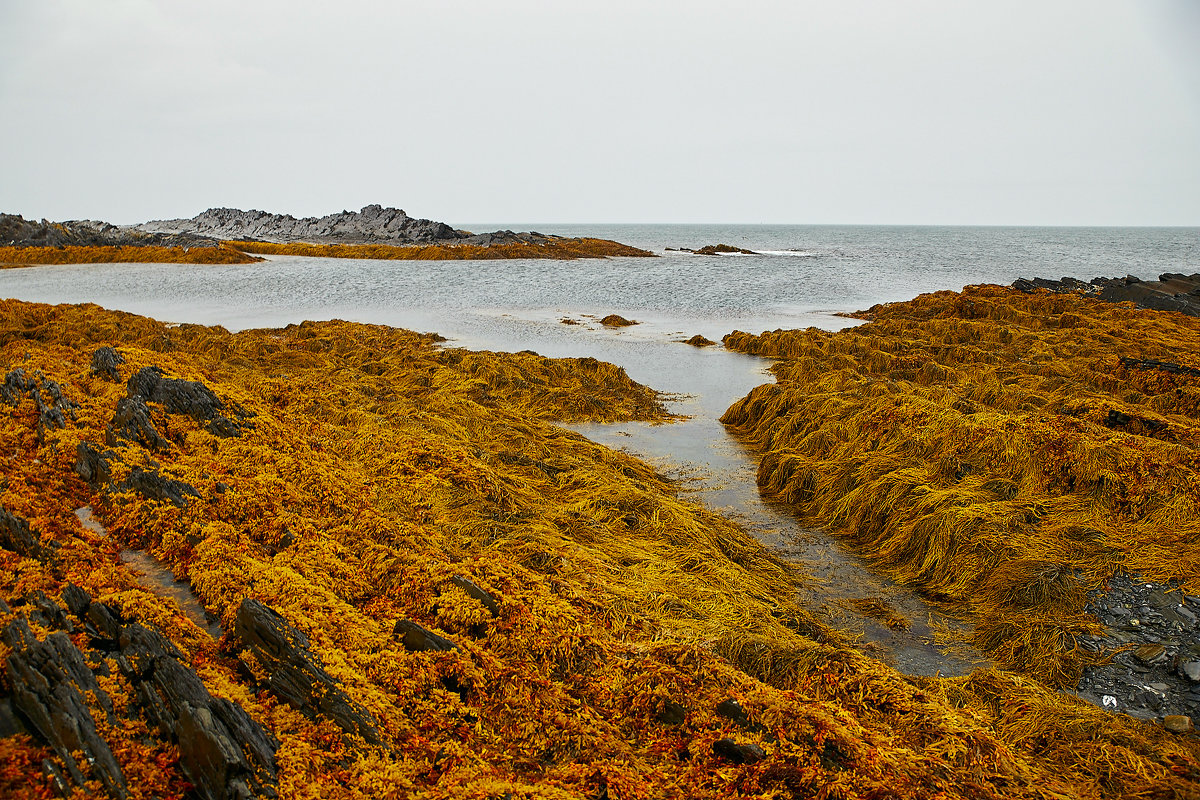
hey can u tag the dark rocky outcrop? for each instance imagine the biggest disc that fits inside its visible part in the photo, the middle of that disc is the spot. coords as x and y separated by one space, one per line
374 224
54 408
105 362
49 679
224 753
1171 292
16 535
178 396
16 231
95 467
699 341
295 675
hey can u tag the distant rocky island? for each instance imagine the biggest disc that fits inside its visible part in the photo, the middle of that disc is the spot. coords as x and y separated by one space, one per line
373 232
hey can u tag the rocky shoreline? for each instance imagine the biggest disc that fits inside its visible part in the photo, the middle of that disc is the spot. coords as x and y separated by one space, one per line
1171 292
373 225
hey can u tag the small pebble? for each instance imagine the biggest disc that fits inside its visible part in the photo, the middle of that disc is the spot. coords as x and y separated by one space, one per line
1178 723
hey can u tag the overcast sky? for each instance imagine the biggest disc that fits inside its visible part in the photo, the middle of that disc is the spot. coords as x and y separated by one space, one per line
845 111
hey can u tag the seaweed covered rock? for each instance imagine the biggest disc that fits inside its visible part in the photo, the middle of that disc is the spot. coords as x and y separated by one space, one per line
50 683
224 753
295 674
178 396
382 468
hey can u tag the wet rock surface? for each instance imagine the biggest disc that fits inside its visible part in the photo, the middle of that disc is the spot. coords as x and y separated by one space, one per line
1171 292
224 753
1155 631
295 674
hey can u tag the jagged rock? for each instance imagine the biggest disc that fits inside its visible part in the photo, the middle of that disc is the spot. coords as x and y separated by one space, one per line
474 590
178 396
417 639
53 406
94 466
738 753
373 224
16 231
47 613
16 535
224 753
49 679
105 362
77 599
154 486
132 421
294 673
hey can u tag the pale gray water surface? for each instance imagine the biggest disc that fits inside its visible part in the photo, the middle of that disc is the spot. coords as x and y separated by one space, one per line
804 274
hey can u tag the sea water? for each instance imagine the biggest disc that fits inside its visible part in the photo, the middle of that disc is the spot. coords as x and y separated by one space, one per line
801 276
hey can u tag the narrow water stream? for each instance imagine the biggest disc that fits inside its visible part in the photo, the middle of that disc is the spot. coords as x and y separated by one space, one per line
701 454
156 578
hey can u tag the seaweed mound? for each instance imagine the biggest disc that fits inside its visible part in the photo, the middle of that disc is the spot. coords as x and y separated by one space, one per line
427 589
1004 452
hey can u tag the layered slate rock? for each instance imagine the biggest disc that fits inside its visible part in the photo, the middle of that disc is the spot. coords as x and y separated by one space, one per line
224 753
295 674
49 680
178 396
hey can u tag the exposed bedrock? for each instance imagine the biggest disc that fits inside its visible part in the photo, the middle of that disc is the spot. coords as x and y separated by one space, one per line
224 753
296 675
1171 292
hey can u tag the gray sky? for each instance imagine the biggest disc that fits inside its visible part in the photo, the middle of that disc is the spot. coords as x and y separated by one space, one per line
845 111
